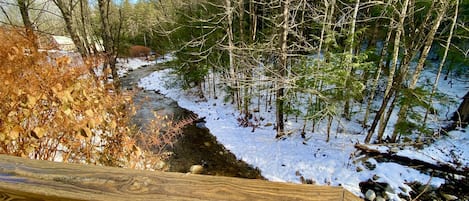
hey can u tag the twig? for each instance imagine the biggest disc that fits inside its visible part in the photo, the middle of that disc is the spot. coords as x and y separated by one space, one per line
425 189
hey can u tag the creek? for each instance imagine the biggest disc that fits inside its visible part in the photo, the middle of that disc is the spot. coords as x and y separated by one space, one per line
197 146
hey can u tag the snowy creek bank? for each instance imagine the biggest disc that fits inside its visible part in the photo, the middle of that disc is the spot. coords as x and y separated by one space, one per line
314 161
197 147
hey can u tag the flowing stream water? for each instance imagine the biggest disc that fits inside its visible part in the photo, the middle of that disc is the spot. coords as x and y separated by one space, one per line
197 145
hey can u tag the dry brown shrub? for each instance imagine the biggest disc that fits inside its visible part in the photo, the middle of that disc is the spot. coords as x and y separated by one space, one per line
139 51
51 110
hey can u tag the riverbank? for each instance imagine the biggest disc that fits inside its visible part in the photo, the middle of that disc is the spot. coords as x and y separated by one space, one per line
197 146
297 160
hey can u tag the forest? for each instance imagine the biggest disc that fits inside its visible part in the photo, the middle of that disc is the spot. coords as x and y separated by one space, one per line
314 66
371 52
321 62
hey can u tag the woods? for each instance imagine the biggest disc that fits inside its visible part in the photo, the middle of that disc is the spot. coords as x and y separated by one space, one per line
328 59
321 63
317 63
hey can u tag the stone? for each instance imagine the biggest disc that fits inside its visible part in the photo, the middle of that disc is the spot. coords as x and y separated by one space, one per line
449 197
394 150
160 165
359 169
196 169
370 195
200 125
379 198
369 165
389 189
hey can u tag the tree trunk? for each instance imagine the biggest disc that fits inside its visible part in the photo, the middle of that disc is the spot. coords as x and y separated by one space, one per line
281 68
232 68
397 40
67 13
325 30
89 46
374 86
246 70
387 116
443 60
399 79
241 19
329 126
380 113
252 11
409 161
420 65
349 70
28 25
428 44
109 48
461 116
329 29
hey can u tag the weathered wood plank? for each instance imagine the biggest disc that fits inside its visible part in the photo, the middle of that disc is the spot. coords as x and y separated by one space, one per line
348 196
44 180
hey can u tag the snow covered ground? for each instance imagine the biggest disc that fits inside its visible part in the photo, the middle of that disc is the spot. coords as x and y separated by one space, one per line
126 65
323 163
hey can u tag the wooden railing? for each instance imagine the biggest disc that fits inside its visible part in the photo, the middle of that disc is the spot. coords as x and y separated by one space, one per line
25 179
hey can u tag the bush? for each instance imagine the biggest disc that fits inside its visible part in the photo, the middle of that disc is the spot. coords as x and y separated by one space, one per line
52 110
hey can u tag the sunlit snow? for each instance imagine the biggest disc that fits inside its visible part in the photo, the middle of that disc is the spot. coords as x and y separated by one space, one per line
325 163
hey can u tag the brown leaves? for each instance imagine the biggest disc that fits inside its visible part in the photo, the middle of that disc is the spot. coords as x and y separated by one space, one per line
38 132
85 132
52 110
63 61
47 103
15 132
13 53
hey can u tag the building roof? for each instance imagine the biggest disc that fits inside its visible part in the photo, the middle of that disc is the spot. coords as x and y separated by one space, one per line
63 40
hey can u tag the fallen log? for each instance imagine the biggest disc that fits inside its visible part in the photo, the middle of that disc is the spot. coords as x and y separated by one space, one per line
411 162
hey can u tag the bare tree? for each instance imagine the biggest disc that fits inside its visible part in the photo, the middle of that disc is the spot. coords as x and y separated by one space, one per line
387 93
443 60
67 8
232 66
441 12
24 6
85 24
383 55
350 58
281 68
422 38
110 41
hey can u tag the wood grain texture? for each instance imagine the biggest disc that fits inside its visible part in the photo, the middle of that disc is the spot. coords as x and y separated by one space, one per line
25 179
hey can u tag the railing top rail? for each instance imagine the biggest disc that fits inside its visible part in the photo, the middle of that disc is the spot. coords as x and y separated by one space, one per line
44 180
